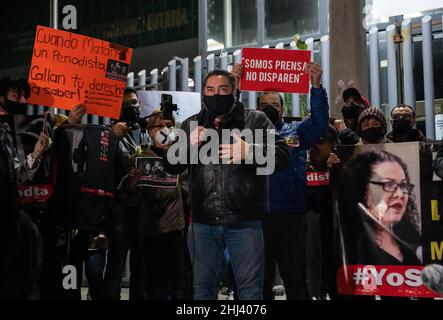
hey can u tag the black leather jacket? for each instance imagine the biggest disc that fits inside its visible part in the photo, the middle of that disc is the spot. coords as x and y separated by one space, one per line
225 194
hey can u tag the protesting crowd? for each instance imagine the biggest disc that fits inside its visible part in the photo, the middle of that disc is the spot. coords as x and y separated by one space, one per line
193 217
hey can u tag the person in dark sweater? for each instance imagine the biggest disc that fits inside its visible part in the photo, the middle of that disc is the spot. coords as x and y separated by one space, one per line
319 216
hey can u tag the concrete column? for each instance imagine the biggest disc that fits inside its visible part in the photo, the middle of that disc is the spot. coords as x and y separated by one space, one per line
348 57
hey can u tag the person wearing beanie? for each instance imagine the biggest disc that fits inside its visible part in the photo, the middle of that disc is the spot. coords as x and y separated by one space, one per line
372 127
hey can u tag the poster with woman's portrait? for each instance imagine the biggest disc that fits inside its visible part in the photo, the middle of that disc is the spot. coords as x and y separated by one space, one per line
379 215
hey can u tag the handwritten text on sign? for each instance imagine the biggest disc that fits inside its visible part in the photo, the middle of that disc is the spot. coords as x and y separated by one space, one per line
275 70
68 69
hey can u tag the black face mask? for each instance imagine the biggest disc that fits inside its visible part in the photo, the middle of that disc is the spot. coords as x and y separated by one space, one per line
372 135
130 113
401 126
272 114
216 105
219 104
12 107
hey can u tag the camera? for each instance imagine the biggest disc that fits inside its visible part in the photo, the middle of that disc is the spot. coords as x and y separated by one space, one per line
167 107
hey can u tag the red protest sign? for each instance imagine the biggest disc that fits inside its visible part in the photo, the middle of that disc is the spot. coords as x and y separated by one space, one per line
68 69
275 70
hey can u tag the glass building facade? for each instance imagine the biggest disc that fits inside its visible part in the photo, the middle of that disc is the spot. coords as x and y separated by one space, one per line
134 23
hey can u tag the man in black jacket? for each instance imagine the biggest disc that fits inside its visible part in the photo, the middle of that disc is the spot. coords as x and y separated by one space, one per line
228 198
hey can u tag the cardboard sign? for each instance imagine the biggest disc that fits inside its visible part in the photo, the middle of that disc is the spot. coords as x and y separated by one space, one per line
276 70
68 69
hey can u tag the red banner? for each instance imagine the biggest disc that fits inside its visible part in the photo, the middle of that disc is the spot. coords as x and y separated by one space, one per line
276 70
34 193
316 179
404 281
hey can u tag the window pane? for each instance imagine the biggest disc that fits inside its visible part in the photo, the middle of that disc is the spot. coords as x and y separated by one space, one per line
381 9
285 18
231 23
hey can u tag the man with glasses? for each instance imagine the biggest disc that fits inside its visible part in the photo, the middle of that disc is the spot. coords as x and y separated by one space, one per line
403 120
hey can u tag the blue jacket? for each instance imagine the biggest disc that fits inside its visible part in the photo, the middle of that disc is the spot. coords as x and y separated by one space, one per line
287 190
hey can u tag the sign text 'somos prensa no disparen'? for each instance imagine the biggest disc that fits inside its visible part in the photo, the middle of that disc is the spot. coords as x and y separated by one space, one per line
68 69
276 70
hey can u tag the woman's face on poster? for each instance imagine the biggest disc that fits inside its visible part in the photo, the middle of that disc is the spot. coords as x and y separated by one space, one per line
387 195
